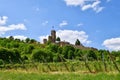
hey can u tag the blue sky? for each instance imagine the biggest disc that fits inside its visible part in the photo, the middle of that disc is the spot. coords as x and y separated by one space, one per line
95 23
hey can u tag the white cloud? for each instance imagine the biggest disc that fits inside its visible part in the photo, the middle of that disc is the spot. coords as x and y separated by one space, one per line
86 4
4 28
45 23
63 23
95 6
85 7
112 44
43 37
3 20
21 37
108 0
70 36
75 2
98 9
80 24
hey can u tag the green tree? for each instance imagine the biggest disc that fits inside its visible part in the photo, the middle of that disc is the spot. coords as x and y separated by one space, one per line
70 54
104 54
66 50
14 44
78 42
15 56
52 47
42 55
18 40
33 41
38 55
91 55
4 54
11 38
56 58
9 54
27 40
60 50
58 39
50 55
78 54
29 48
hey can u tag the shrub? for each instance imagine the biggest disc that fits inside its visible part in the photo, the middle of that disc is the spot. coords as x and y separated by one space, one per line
1 62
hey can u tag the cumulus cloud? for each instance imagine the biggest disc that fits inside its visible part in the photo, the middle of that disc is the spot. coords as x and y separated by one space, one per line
63 23
21 37
112 44
4 28
43 37
80 24
75 2
86 4
70 36
3 20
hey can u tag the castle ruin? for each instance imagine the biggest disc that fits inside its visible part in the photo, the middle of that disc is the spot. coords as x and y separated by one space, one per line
52 39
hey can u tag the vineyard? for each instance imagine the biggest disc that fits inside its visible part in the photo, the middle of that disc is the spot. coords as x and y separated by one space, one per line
78 70
30 57
69 66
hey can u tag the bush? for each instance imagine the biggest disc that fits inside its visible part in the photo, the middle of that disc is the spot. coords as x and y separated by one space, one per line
56 58
38 55
9 55
1 62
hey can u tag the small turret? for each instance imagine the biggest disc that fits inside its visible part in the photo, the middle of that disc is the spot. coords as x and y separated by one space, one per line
44 41
50 38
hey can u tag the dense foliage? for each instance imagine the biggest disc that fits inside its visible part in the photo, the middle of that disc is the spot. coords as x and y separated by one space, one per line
15 50
77 42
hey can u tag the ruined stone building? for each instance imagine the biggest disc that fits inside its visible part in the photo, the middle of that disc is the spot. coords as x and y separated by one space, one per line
52 38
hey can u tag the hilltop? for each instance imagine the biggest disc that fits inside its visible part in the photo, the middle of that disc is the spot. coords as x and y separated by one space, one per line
52 50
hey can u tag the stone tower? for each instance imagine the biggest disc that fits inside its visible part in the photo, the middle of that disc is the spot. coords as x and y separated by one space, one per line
53 35
50 38
44 41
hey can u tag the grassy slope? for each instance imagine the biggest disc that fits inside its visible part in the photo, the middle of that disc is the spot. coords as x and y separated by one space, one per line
12 75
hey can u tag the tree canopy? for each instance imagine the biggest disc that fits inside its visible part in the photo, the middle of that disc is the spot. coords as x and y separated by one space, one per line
78 42
15 50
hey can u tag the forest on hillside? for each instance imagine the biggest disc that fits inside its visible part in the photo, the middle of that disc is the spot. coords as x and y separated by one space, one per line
15 50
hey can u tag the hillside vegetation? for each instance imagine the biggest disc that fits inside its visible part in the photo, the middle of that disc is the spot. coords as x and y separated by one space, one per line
14 52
